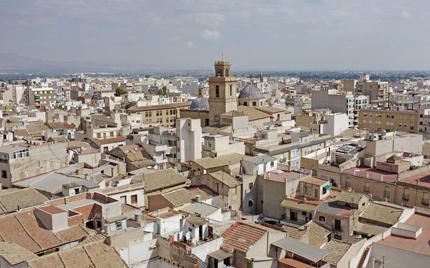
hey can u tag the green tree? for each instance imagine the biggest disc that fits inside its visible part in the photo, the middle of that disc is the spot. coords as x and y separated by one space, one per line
34 82
119 91
160 92
2 84
164 91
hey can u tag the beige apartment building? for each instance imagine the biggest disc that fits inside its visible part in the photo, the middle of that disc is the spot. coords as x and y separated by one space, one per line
378 92
395 119
42 97
165 114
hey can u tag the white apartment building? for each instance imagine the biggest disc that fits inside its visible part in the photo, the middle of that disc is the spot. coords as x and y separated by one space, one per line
189 140
339 102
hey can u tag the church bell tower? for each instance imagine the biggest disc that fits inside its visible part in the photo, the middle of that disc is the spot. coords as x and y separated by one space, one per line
222 92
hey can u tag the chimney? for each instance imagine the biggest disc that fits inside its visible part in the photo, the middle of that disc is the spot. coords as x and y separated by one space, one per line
304 199
367 174
418 182
382 177
158 213
197 198
137 216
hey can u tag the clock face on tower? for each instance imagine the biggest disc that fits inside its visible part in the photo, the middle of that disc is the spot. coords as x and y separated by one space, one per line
216 117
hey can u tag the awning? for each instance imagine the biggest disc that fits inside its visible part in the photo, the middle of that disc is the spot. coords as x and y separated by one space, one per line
220 254
327 187
301 249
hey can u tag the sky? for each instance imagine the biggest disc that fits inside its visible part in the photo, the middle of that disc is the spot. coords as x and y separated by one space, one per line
251 34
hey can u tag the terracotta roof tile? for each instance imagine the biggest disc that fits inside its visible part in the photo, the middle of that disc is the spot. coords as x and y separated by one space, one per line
12 230
242 236
104 256
48 261
36 230
72 234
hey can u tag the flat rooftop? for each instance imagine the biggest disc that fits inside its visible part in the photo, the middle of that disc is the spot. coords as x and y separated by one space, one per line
423 178
80 203
282 175
315 181
420 244
372 173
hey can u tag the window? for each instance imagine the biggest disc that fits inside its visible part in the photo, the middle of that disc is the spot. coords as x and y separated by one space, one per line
272 164
105 149
366 187
348 182
387 192
321 218
254 103
425 200
406 194
316 193
337 225
217 91
4 174
118 225
209 144
308 190
231 90
76 190
251 185
134 199
250 203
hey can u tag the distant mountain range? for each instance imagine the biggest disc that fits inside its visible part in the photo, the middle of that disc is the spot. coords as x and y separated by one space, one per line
10 62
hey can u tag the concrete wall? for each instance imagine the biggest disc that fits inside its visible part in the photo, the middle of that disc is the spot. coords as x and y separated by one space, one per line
273 195
139 193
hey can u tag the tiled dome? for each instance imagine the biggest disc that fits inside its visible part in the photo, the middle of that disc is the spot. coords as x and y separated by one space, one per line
250 92
200 104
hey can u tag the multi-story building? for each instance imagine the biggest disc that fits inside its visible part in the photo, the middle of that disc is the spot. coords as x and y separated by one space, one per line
378 92
337 101
42 97
18 162
165 114
394 119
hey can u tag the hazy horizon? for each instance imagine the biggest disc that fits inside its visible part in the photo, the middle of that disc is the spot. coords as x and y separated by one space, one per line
269 35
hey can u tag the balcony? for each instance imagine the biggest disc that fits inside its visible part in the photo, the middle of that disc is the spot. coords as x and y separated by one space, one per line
425 202
405 197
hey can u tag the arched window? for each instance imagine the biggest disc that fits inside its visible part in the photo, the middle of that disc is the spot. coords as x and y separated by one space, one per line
219 73
245 103
227 73
250 203
217 91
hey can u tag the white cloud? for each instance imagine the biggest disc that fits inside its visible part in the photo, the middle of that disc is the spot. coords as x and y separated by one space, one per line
190 44
206 34
406 14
